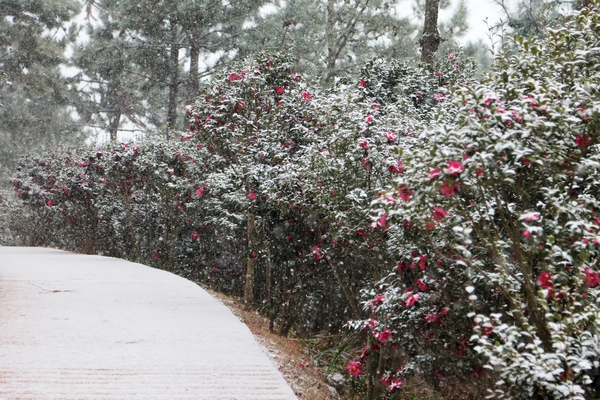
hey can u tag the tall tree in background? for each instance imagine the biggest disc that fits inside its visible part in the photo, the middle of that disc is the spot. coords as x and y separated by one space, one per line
332 38
35 100
440 35
529 17
148 43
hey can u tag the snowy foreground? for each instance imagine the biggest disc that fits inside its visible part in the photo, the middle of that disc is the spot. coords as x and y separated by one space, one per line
87 327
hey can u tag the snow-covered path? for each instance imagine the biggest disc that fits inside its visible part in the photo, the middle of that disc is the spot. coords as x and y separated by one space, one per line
88 327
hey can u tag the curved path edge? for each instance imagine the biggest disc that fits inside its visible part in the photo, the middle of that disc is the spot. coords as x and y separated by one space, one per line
77 326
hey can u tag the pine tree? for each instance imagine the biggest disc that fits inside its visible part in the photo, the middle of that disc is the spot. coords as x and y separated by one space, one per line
36 105
333 38
142 41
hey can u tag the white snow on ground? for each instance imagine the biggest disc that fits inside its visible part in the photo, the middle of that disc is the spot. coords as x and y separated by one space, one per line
88 327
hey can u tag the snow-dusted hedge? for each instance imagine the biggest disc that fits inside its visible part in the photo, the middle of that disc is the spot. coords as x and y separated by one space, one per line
496 224
479 197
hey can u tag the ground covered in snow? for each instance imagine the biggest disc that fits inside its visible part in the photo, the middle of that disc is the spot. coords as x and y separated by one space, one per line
87 327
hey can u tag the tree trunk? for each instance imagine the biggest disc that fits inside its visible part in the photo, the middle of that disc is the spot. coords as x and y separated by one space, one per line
193 81
113 126
251 265
174 84
431 38
345 290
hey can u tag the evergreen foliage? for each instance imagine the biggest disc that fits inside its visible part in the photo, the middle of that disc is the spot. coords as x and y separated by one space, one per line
36 100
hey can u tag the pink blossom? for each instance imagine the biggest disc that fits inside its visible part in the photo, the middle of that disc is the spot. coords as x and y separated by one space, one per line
306 96
317 252
354 368
396 168
252 195
50 203
195 235
438 96
545 280
434 173
390 136
449 190
422 263
451 56
234 76
479 171
405 192
368 119
200 191
382 221
154 256
362 83
431 317
454 167
582 141
384 335
591 277
372 323
396 384
364 144
411 299
527 234
439 213
531 216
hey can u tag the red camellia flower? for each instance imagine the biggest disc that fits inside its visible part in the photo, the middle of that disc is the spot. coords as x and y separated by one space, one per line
368 119
431 317
389 135
234 76
434 173
280 90
454 167
396 168
317 252
252 195
195 235
306 96
50 203
364 144
582 141
396 384
384 335
422 285
362 83
545 280
439 213
405 192
200 192
449 189
591 277
354 368
411 299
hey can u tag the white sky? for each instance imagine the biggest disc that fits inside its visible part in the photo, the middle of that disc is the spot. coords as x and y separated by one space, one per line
479 10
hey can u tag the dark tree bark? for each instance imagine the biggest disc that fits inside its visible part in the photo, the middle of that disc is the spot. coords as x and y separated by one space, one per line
431 38
194 82
174 83
251 263
113 126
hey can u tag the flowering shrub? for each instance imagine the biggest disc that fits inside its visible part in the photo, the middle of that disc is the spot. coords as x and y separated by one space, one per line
494 218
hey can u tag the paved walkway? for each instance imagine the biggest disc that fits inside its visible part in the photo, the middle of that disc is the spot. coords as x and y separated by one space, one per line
87 327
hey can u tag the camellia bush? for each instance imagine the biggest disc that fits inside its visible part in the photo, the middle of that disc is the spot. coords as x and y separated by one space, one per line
495 223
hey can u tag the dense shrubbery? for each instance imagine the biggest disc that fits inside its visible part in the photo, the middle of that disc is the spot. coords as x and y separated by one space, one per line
480 197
